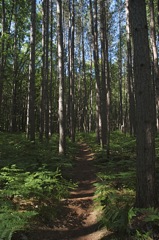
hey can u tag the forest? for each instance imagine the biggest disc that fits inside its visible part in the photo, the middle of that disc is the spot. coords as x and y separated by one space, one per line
79 120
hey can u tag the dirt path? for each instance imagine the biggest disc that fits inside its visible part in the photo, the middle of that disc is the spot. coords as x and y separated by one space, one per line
78 219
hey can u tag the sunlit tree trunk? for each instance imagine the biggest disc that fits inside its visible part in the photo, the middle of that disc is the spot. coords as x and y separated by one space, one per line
94 31
120 65
146 182
60 79
84 112
130 75
103 75
15 74
155 57
71 103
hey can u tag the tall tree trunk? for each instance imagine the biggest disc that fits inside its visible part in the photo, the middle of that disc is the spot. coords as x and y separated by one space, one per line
43 73
130 75
61 108
51 70
2 60
108 82
31 94
94 30
71 71
47 71
146 182
15 73
155 57
120 70
91 94
84 112
103 74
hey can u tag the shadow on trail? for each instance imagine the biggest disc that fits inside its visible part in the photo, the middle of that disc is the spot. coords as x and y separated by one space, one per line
62 234
76 218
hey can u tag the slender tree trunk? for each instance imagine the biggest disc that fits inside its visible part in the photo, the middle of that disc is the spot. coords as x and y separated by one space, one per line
130 75
120 71
15 74
43 73
61 79
84 112
51 71
31 95
2 61
146 182
155 57
94 31
47 71
108 83
103 75
71 114
91 95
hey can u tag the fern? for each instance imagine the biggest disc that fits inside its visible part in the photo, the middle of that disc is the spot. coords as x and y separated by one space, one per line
151 215
12 221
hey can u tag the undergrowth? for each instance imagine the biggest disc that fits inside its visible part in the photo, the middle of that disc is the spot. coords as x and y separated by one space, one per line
115 190
33 180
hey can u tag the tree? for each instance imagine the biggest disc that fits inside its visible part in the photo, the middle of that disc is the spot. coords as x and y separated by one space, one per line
155 57
71 69
103 73
145 134
2 60
31 88
61 108
130 74
94 31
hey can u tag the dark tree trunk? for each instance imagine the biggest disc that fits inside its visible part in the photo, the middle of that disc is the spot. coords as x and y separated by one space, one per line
31 95
146 182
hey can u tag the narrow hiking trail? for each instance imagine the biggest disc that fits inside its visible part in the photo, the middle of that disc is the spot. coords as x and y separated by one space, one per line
77 219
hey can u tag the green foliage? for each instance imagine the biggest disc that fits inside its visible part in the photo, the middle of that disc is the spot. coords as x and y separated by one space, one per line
151 215
12 221
41 184
143 236
116 205
115 190
32 181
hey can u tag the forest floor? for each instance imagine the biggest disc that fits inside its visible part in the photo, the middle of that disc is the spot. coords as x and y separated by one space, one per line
77 219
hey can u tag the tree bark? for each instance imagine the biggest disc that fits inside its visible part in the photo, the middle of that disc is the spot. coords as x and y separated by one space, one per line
130 74
2 62
31 87
94 31
146 182
155 58
71 71
61 110
103 75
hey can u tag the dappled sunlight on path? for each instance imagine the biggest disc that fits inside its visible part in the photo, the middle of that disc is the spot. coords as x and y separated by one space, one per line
77 219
